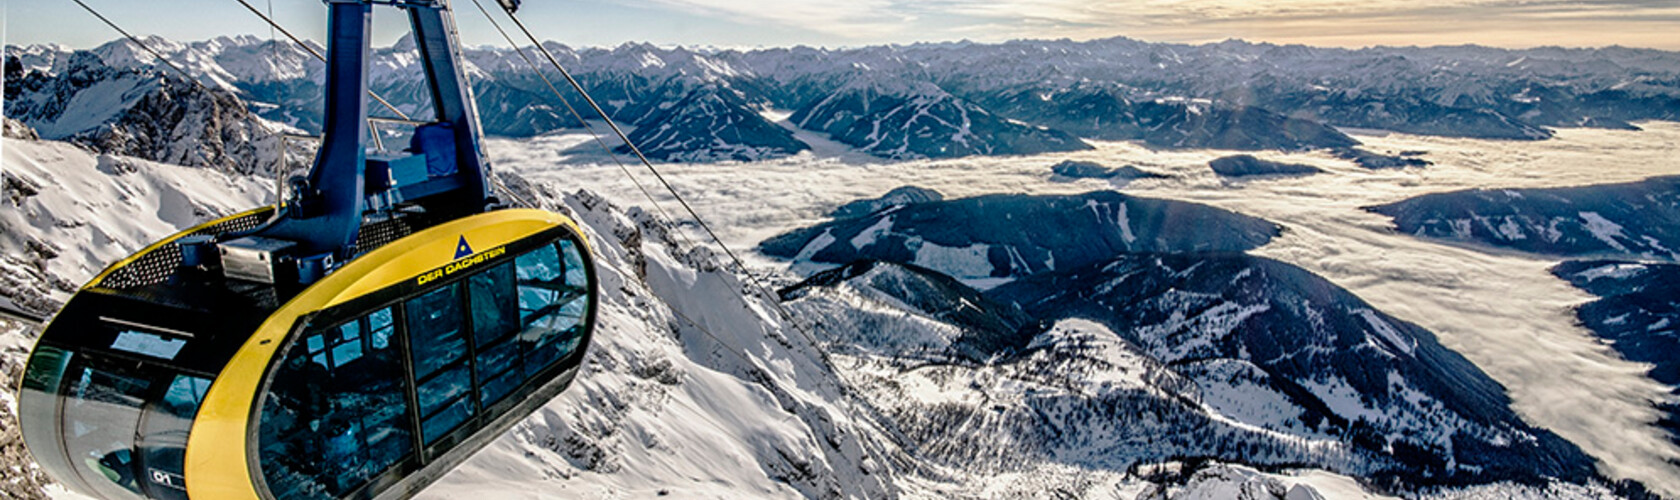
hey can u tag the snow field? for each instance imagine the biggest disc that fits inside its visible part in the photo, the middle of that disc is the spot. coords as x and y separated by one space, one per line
1502 310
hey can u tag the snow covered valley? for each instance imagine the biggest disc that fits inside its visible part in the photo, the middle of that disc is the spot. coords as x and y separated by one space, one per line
1502 310
693 392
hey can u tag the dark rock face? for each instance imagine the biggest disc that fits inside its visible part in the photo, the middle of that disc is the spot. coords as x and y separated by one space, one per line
908 119
509 111
1016 235
1247 165
712 123
1319 347
899 196
1636 220
13 129
1638 313
1106 113
142 113
1091 170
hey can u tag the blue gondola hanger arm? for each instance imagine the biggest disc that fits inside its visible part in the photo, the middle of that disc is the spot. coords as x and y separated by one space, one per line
328 205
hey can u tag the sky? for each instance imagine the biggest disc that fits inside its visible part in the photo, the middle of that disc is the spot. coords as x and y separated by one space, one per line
851 23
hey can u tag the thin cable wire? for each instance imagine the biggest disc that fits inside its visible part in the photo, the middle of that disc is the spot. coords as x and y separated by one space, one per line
311 50
575 114
271 35
649 195
159 55
668 187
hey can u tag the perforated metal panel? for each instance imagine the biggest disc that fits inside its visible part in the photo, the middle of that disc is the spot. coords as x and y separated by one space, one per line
375 234
161 264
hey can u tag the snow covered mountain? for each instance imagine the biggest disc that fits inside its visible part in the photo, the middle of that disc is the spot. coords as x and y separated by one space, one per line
712 123
1233 94
1266 356
906 119
1637 221
1008 236
142 112
1274 346
1121 113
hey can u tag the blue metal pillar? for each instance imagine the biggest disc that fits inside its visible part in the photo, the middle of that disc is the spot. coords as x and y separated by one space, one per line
452 96
328 215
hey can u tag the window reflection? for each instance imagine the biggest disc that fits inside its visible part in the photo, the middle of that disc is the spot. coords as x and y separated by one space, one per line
440 362
552 303
102 411
336 414
163 436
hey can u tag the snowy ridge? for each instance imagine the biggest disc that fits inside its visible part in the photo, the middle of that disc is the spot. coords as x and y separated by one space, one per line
712 123
69 213
905 119
142 111
1637 220
1233 95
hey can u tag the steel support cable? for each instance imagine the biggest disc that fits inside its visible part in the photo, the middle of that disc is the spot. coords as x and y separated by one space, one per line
668 187
311 51
649 195
574 112
822 353
159 55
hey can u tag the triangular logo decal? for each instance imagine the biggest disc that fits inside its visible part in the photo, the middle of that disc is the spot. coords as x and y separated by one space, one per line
462 249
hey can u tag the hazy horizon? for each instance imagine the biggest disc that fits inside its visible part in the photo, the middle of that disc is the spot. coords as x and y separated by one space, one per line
1505 24
695 46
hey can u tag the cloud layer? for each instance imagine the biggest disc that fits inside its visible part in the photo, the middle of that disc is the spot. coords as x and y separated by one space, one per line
1517 23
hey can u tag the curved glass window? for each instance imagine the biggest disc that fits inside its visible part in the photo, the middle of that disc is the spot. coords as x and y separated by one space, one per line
102 409
527 315
163 436
553 302
336 414
116 428
437 331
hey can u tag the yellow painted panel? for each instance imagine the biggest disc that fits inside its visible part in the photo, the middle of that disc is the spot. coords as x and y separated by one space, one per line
216 465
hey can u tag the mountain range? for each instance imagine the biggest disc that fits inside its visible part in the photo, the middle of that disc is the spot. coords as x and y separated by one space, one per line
952 99
1130 343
